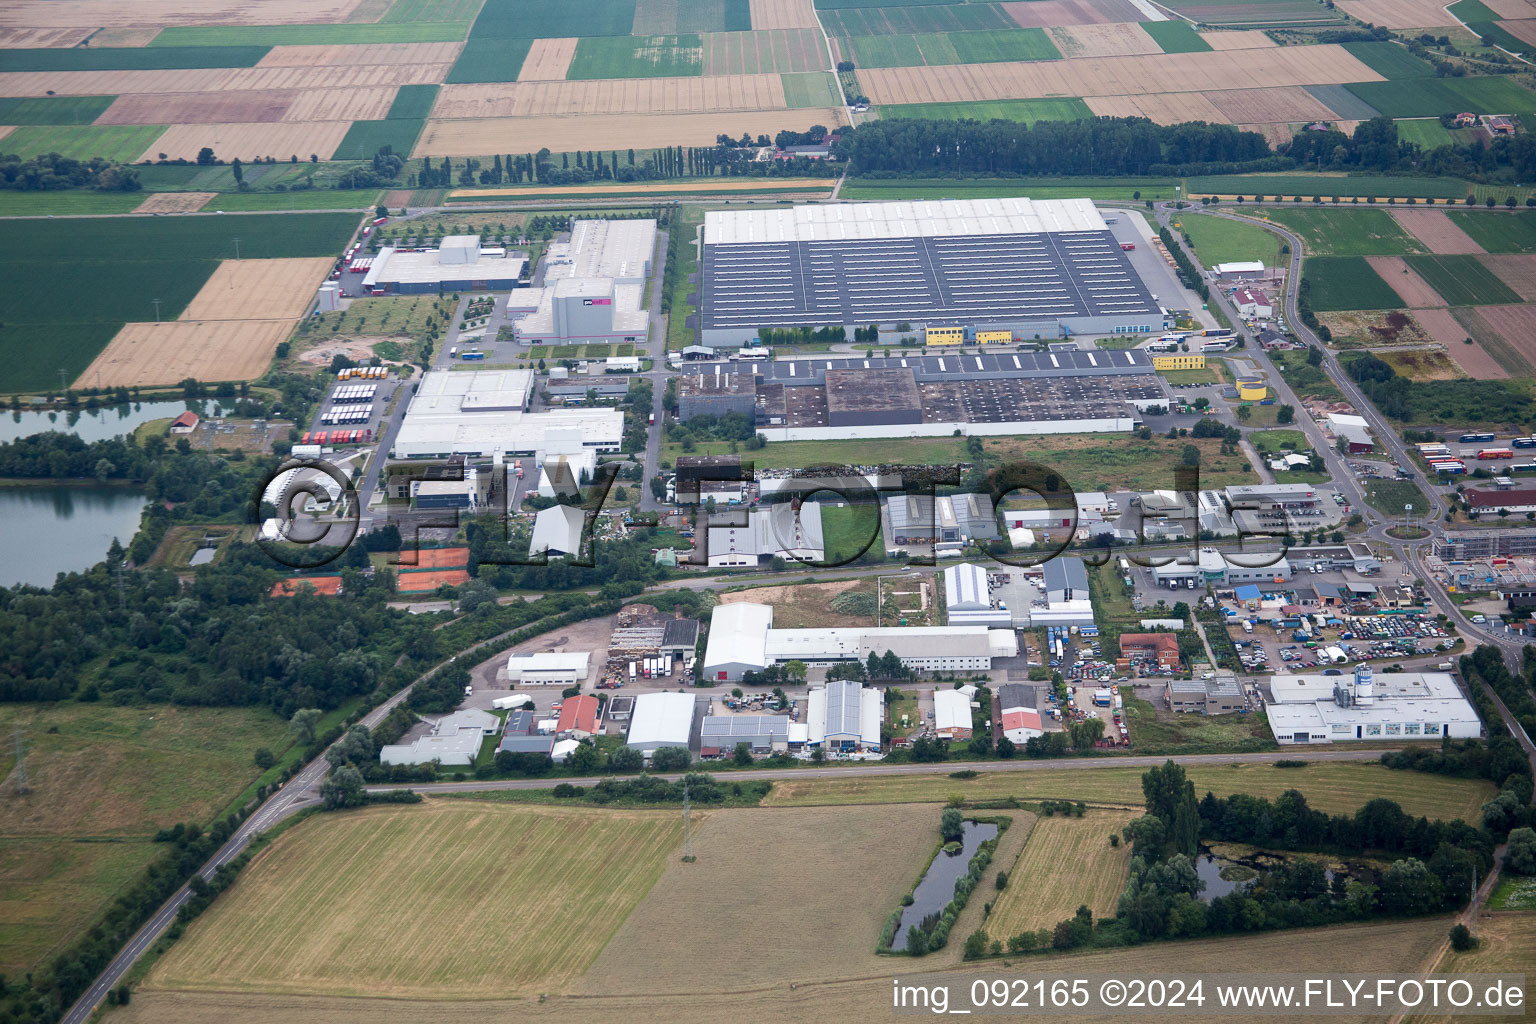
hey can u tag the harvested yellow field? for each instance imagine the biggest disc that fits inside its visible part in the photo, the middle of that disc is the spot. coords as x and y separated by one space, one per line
142 355
768 14
477 136
253 106
109 83
1261 106
370 104
6 129
1066 863
1241 39
124 36
1506 945
1102 40
42 38
1116 76
650 188
174 202
1163 108
341 55
612 96
1397 13
95 13
547 60
341 77
259 289
680 993
249 141
1513 9
1274 134
483 900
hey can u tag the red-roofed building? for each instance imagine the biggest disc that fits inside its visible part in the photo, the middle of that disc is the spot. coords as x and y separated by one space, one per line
1160 649
185 423
1022 725
1515 501
578 717
1252 302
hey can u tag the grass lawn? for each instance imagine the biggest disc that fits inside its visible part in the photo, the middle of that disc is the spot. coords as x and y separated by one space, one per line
1304 378
1175 36
1347 282
1390 496
1340 787
122 143
1328 185
1096 879
571 875
809 89
1463 280
851 531
1347 232
1498 231
637 57
1026 111
1155 731
1279 440
1426 132
1218 240
1514 892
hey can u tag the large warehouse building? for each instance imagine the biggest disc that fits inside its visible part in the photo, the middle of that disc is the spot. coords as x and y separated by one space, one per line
1368 706
482 412
593 289
1036 268
742 639
1065 390
458 265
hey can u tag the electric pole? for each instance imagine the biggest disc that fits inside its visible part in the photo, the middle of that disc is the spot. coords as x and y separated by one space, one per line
237 248
688 857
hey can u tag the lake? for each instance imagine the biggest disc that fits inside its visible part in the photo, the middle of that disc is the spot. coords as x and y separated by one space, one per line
937 888
87 424
51 529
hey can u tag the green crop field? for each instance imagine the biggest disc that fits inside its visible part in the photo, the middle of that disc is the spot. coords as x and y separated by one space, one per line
122 143
1431 97
1390 61
1495 232
1254 12
64 204
501 35
1338 787
884 51
1463 280
1127 189
1218 240
412 101
52 320
115 775
672 17
1347 282
211 36
890 19
489 60
1005 45
365 138
1175 36
131 58
637 57
304 918
304 199
1026 111
1327 186
810 89
1339 231
52 110
1425 132
431 11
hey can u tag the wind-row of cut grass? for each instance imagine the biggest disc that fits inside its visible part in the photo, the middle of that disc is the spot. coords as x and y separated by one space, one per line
1338 787
1218 240
1431 97
132 58
1463 280
1175 36
1328 185
122 143
1066 863
1339 231
52 110
1347 282
1495 231
1390 60
1025 111
637 57
185 36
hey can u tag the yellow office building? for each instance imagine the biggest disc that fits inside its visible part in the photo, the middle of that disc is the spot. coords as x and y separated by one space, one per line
944 335
1181 361
994 337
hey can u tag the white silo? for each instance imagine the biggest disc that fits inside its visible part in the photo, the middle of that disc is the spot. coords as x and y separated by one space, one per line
1365 685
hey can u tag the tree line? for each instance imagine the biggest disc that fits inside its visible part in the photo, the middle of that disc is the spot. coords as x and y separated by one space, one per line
51 172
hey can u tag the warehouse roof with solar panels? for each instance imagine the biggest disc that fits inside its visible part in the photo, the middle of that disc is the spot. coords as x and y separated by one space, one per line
1049 267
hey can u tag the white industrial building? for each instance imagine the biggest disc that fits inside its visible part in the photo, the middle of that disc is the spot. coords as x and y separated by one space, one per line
458 264
557 668
660 720
742 639
967 598
750 537
484 412
593 286
1229 569
454 740
1066 601
557 531
952 714
1370 706
844 717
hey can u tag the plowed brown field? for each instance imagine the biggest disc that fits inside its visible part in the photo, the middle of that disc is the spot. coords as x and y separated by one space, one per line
1513 330
547 60
1513 8
1440 325
783 14
259 289
477 136
1523 29
116 83
1516 270
124 36
370 53
95 13
1103 40
1163 108
174 202
1437 231
199 107
613 96
1053 13
41 38
6 129
141 355
1116 76
344 77
1241 39
249 141
1397 13
1414 290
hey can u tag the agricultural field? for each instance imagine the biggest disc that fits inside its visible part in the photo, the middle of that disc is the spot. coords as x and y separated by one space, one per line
121 143
1390 61
1378 328
670 17
1067 862
1431 97
1254 12
1507 334
1176 36
1437 231
309 199
162 354
1506 945
750 53
567 133
1517 270
1102 40
1347 282
114 774
1425 132
229 36
1415 291
304 918
53 109
1498 232
1337 787
131 58
897 19
1463 280
810 89
1352 232
637 57
1328 185
45 204
1026 111
1218 240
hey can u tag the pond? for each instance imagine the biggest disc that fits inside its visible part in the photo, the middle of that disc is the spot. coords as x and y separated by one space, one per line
937 888
87 424
1226 869
50 528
